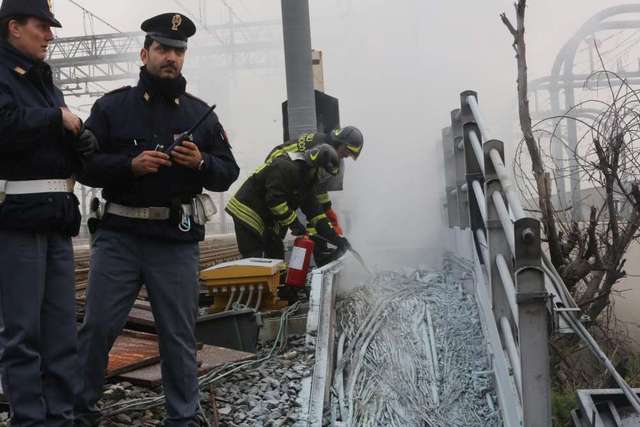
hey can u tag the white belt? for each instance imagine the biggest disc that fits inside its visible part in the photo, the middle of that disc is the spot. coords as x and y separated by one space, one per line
153 212
39 186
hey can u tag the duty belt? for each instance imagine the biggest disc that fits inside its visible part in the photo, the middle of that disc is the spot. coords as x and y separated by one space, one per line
151 213
39 186
35 187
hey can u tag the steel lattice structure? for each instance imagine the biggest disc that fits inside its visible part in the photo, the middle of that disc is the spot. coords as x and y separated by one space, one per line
79 64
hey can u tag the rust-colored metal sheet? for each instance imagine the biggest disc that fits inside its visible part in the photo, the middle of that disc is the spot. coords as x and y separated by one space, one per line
209 358
139 316
132 350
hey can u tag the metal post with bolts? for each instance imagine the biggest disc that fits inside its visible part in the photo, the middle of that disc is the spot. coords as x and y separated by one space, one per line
496 237
451 195
458 150
534 324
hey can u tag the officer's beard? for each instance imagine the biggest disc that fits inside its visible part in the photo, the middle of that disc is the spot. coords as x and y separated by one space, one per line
167 88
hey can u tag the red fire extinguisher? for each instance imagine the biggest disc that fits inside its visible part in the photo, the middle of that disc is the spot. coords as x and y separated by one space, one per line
299 262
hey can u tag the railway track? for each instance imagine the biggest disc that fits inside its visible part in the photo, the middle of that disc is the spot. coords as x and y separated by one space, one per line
214 249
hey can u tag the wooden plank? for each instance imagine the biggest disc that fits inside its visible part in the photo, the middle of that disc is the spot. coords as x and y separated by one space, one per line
209 358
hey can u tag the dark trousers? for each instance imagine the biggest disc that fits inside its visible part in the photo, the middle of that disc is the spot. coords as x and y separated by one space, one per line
120 264
38 340
252 245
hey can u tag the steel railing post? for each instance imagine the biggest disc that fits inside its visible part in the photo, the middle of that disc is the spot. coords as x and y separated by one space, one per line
497 240
473 168
451 194
458 149
534 323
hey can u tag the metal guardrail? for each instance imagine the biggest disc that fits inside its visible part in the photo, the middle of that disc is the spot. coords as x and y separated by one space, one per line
525 297
510 279
321 336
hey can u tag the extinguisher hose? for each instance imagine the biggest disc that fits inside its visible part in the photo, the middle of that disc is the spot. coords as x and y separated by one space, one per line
359 258
355 254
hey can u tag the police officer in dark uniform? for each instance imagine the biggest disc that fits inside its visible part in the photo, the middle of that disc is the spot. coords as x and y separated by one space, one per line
41 144
153 217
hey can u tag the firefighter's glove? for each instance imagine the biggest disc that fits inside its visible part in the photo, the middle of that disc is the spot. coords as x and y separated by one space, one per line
331 214
297 229
333 218
86 143
343 244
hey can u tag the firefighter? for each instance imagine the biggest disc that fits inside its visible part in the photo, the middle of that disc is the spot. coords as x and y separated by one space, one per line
41 146
153 218
347 141
265 205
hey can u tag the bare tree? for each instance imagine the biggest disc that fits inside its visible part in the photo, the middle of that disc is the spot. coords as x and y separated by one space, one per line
589 254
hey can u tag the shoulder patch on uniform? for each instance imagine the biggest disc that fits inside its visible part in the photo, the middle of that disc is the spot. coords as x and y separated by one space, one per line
120 89
187 94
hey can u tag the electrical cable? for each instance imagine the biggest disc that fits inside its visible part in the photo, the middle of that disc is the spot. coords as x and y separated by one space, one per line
85 10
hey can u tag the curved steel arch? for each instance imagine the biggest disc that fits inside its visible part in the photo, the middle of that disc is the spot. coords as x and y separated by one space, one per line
563 78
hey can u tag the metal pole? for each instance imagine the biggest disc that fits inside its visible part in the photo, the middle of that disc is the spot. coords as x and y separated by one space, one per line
533 325
463 198
450 177
299 66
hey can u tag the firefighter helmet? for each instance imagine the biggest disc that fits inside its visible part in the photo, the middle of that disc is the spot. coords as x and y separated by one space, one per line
323 156
350 137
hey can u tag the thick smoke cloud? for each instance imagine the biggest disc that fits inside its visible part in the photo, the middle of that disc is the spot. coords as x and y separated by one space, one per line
397 68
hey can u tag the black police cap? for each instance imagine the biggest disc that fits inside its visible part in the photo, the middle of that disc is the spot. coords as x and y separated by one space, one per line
40 9
169 29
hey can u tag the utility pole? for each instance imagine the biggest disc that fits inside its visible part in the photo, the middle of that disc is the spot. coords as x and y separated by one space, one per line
297 51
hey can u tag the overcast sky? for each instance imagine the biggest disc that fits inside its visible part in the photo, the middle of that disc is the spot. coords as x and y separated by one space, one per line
398 68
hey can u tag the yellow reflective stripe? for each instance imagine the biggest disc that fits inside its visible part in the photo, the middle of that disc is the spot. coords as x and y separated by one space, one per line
248 219
246 214
286 222
354 149
291 148
323 198
312 231
317 218
247 211
259 169
279 152
281 209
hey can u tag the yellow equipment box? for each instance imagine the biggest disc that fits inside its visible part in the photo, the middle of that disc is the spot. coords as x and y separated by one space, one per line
251 282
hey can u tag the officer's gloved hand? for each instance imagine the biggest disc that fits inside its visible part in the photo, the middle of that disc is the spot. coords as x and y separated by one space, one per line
86 143
297 229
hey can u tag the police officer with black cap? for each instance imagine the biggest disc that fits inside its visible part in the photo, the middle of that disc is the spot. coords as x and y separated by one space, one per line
41 147
154 216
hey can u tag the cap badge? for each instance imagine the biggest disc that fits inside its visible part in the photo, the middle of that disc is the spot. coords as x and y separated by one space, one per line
176 21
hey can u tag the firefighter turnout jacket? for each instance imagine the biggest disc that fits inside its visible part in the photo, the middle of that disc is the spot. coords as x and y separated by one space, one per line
305 142
270 197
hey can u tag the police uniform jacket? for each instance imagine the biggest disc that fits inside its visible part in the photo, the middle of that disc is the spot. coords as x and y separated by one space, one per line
269 198
34 145
130 120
